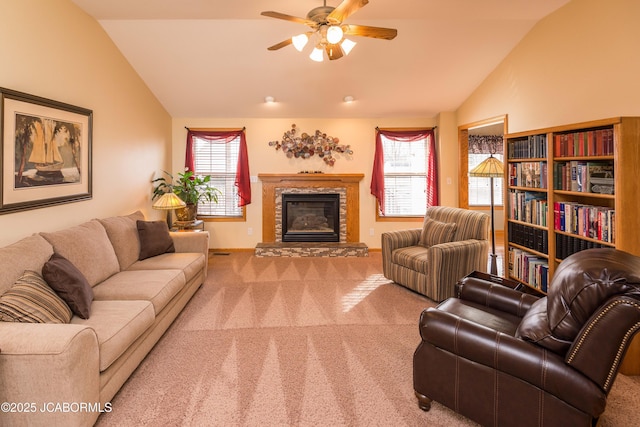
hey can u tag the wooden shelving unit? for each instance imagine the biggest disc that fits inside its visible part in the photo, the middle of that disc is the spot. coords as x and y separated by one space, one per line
616 221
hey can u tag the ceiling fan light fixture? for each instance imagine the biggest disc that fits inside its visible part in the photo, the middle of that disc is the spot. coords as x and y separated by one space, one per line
317 54
300 41
334 34
347 45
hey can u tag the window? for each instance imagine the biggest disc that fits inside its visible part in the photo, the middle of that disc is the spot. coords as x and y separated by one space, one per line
480 148
408 173
221 155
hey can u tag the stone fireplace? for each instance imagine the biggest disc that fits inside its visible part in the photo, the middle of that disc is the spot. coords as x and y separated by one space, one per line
344 235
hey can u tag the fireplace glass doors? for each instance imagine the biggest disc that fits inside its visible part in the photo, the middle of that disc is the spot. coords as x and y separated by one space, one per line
310 217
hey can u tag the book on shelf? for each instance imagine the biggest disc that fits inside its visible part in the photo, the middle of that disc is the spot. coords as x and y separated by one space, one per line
528 206
532 146
595 222
528 174
584 177
529 237
600 177
595 142
529 268
568 245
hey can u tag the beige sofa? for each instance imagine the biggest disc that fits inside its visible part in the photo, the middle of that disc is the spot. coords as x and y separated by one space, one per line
66 374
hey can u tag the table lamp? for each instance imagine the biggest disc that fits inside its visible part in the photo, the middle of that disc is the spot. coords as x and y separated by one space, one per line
168 202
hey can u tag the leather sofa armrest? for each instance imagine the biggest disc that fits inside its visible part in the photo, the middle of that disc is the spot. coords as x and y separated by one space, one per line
49 364
512 356
600 346
494 296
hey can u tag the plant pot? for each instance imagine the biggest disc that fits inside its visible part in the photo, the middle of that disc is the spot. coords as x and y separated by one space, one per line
188 213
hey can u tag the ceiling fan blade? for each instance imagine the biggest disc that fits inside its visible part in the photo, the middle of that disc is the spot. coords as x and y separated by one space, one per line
279 15
334 51
375 32
344 10
280 45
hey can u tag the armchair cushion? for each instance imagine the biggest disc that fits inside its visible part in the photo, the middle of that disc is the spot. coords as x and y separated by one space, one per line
413 257
436 232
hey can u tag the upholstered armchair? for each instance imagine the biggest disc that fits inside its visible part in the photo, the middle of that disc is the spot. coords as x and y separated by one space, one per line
504 358
451 243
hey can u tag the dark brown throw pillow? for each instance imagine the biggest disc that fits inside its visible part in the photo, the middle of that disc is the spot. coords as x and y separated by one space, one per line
69 283
154 238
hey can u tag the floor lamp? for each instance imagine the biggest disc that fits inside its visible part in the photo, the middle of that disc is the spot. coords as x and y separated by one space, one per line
490 168
168 202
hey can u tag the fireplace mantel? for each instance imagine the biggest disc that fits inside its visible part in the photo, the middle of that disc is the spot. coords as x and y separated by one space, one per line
350 182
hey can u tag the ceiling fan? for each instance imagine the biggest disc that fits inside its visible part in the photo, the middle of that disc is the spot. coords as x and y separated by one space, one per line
327 26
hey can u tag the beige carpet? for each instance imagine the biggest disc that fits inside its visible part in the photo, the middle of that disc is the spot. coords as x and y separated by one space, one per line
296 341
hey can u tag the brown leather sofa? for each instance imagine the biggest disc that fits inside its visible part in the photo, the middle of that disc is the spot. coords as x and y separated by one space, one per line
503 358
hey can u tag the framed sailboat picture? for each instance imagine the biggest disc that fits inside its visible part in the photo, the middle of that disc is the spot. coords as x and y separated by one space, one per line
46 152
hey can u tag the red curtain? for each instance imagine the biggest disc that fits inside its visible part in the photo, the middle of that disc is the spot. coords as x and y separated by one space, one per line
243 180
377 175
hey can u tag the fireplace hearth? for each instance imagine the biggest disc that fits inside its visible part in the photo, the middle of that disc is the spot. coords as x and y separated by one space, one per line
310 217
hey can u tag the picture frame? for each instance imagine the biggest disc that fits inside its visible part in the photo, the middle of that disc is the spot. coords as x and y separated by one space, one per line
45 152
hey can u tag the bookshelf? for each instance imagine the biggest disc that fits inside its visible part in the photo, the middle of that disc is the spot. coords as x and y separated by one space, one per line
570 188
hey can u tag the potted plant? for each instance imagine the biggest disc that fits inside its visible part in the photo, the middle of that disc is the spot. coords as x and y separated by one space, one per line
189 187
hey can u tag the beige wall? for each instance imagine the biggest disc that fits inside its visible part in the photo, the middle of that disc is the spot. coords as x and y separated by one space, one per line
580 63
52 49
359 133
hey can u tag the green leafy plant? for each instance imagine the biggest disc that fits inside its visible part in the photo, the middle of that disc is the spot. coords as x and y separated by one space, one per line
189 187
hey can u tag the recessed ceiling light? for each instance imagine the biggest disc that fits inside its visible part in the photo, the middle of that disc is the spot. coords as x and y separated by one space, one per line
348 99
269 99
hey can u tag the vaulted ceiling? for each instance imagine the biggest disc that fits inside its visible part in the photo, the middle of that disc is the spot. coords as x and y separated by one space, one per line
209 58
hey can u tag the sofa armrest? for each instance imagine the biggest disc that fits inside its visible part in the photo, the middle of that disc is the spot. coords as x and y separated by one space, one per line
392 240
191 241
526 361
194 242
600 346
495 296
449 262
44 364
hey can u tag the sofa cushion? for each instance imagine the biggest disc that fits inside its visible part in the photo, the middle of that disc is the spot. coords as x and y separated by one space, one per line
412 257
29 253
534 327
88 247
190 263
117 325
69 283
154 238
123 234
156 286
31 300
436 232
